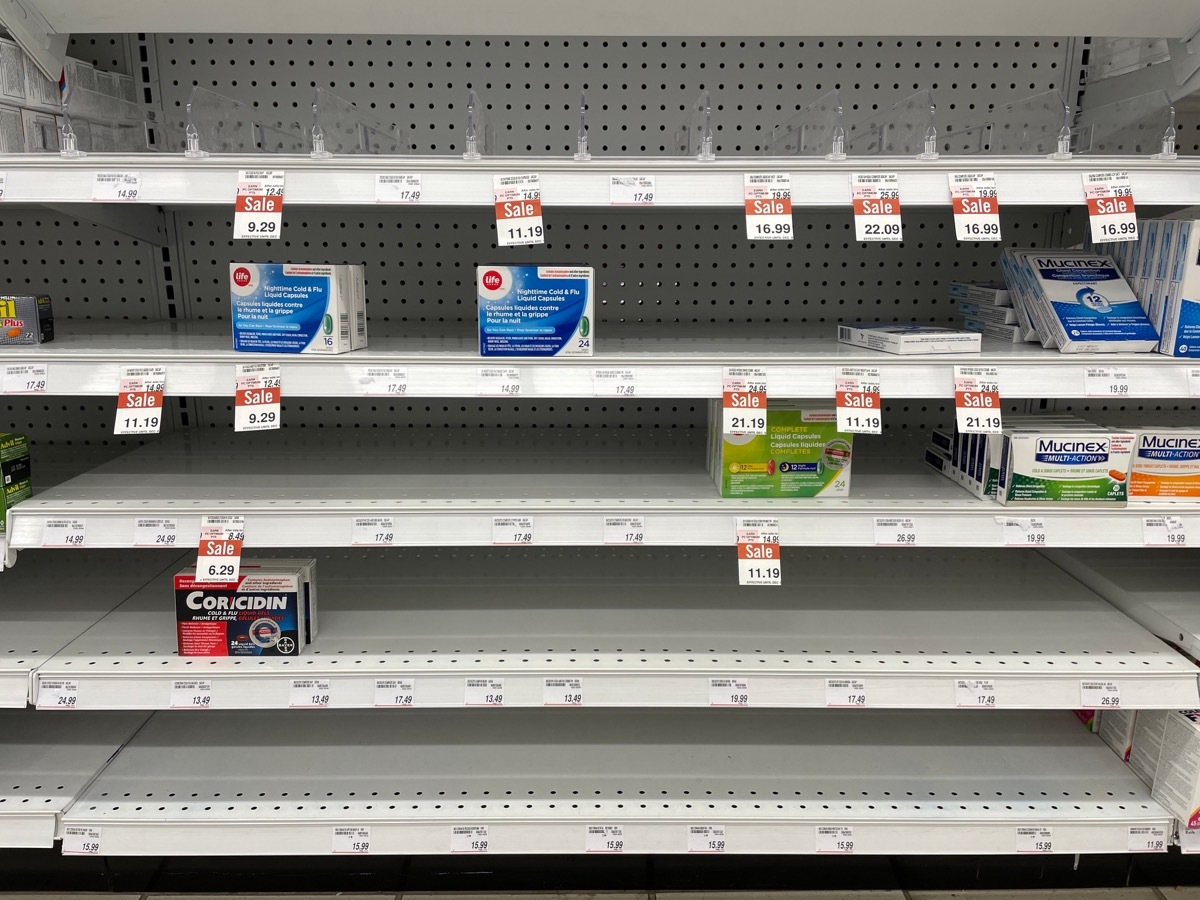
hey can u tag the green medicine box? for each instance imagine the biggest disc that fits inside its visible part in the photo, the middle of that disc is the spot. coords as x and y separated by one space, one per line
14 474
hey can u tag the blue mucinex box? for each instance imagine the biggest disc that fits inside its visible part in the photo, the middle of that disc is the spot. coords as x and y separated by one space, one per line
284 308
535 310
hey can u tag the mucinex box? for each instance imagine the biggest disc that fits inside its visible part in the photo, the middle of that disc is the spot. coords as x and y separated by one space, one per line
1084 464
536 310
260 614
284 308
1165 464
1181 313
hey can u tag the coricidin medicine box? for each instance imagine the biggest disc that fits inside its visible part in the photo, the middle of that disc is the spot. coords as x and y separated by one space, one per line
284 308
535 310
261 614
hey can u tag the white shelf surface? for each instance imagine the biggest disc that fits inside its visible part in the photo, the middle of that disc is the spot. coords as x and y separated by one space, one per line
651 628
86 359
172 180
46 761
445 486
223 783
46 603
1156 588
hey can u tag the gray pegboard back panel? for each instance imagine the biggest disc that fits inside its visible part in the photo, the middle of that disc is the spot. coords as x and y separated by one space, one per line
637 89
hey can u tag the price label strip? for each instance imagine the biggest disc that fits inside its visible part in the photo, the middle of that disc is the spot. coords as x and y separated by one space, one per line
835 839
728 692
975 204
496 381
516 530
1147 839
469 839
1100 694
1110 206
758 555
1105 381
857 400
155 533
397 188
744 400
484 692
898 531
3 184
121 187
258 205
191 695
768 207
1035 839
219 559
1021 532
876 199
373 531
310 693
706 839
977 399
140 400
384 381
845 692
1164 531
605 839
614 382
395 693
351 839
631 190
975 693
518 210
58 695
1193 376
31 378
64 533
625 530
81 841
259 389
562 692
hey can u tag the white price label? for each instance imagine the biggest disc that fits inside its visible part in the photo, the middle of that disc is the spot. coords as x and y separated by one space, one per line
1163 531
743 400
59 533
1189 839
518 210
614 382
1035 839
1110 205
850 692
384 381
256 400
835 838
395 692
484 692
1023 532
876 199
975 693
1193 382
1147 839
373 531
156 533
310 693
469 839
351 839
631 190
117 186
140 400
397 188
977 399
258 205
499 381
758 552
768 207
976 207
562 692
729 692
191 694
624 529
605 839
3 184
1100 694
58 695
26 379
706 839
1105 381
219 559
516 530
857 400
81 841
895 532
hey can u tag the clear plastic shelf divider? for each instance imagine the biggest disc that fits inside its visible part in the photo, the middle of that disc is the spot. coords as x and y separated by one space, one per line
908 128
215 123
1136 126
817 130
101 123
695 136
582 153
480 139
1032 126
340 128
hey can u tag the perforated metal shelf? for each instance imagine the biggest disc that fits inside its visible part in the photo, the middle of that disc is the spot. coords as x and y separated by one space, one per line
171 180
934 783
48 603
86 359
445 486
45 761
644 628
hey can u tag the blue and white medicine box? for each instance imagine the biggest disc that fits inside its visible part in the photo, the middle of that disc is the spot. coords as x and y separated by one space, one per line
283 308
535 310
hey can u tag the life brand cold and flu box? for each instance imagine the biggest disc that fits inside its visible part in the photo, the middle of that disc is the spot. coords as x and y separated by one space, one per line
535 310
261 614
1165 464
26 320
284 308
1067 465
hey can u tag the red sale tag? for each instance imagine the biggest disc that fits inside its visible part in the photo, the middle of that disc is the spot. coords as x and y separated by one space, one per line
1111 208
140 400
977 399
876 200
219 559
768 207
256 397
744 400
975 205
518 210
857 400
258 205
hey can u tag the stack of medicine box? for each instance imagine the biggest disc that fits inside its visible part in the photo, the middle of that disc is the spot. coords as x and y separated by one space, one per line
987 308
1162 747
15 482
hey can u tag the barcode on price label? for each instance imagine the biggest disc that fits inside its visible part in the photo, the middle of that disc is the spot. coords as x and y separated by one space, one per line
32 378
395 692
729 692
191 694
123 187
768 206
631 190
310 693
835 839
1100 694
625 530
562 692
58 533
1105 381
605 839
484 692
975 204
1022 532
57 694
614 382
1147 839
81 841
516 530
895 532
351 839
850 692
397 188
1035 839
384 381
1164 531
743 400
876 200
219 558
155 533
518 210
1111 209
373 531
496 381
469 839
706 839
